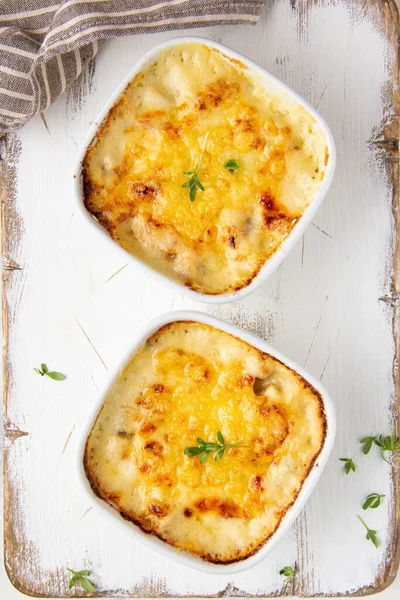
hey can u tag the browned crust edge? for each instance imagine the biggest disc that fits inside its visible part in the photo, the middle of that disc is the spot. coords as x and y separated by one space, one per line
95 486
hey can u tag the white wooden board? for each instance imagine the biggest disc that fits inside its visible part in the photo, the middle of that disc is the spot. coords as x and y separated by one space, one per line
70 301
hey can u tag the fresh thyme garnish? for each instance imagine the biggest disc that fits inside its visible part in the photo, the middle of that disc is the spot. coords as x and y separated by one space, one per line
372 501
349 466
232 165
52 374
371 533
81 578
388 443
204 448
194 182
287 572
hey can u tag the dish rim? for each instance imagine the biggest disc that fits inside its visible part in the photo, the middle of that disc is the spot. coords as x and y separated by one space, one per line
150 540
286 245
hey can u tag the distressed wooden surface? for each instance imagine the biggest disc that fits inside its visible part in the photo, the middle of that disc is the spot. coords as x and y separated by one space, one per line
71 302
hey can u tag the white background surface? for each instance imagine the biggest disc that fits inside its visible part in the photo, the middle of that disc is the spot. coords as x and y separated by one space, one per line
314 309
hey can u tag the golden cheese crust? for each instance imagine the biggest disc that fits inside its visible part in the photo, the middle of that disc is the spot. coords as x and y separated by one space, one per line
190 381
134 171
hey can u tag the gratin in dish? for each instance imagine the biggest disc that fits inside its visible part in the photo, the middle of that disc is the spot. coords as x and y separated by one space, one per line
188 381
194 97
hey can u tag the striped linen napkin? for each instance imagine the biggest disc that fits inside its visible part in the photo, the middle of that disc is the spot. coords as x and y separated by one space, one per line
44 45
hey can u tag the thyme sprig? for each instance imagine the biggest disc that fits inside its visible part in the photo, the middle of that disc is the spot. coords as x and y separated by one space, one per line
194 183
204 448
52 374
371 533
81 577
387 443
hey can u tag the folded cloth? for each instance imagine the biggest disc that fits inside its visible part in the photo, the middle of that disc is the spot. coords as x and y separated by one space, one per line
45 45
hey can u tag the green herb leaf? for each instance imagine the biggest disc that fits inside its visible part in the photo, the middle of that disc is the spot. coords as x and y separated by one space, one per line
193 451
194 182
55 375
287 572
199 185
367 441
349 465
86 584
192 193
232 165
211 447
52 374
204 448
219 454
372 501
203 457
371 533
81 578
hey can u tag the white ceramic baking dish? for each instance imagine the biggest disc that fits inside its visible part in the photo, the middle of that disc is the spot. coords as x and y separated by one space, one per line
152 541
308 215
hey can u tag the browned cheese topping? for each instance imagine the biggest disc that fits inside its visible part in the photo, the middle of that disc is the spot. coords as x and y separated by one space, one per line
189 381
190 97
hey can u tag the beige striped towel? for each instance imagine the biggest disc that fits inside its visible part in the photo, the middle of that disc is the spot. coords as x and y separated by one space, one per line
44 45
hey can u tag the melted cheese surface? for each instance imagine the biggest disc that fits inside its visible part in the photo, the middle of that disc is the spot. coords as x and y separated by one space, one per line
189 381
134 171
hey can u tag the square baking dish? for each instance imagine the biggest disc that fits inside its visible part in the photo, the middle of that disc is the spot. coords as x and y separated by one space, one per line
309 483
286 245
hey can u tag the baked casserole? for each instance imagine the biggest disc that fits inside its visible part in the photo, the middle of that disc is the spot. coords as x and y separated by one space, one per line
201 170
205 441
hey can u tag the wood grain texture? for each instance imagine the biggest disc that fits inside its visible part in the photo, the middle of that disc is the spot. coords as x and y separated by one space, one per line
332 306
